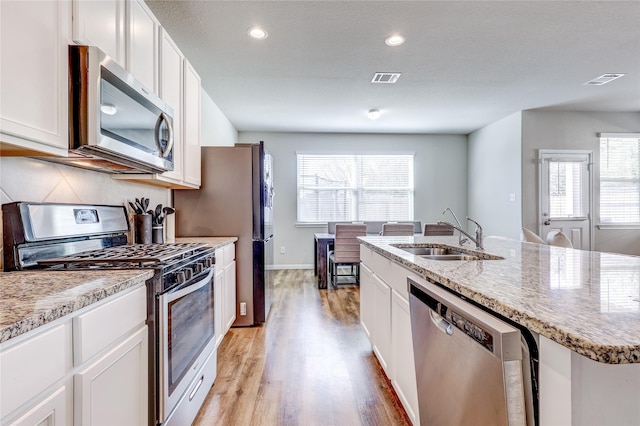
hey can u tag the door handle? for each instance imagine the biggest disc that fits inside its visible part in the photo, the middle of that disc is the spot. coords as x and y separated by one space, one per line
546 222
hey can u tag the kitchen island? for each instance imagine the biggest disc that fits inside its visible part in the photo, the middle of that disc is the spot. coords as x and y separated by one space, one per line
583 307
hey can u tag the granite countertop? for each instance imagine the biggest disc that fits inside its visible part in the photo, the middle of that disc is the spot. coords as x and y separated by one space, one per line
31 299
586 301
215 242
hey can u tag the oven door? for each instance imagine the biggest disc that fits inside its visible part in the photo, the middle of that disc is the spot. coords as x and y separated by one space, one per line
185 338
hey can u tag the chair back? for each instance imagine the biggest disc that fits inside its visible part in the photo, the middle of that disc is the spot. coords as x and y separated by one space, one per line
346 248
331 226
433 229
559 239
397 229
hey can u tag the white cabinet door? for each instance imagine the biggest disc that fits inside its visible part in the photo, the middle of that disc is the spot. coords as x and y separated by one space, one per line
381 331
51 411
114 390
404 376
366 299
101 23
218 303
34 39
191 116
142 44
171 92
229 295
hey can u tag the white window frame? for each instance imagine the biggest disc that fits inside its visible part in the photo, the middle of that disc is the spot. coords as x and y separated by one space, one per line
608 224
355 190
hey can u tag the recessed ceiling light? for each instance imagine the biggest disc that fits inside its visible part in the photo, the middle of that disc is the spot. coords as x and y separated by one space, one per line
394 40
373 114
257 33
603 79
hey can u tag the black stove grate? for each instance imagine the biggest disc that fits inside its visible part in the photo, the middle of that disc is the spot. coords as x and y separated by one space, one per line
140 254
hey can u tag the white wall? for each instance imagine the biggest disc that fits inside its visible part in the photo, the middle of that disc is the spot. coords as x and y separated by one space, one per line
494 177
217 130
440 179
573 130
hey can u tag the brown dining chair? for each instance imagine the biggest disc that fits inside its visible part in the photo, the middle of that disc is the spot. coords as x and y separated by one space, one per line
433 229
397 229
346 251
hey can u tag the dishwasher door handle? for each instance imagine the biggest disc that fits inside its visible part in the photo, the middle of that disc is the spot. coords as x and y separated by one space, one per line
442 324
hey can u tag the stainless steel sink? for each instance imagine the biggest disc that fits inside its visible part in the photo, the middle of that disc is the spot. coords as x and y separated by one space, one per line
444 253
431 251
450 257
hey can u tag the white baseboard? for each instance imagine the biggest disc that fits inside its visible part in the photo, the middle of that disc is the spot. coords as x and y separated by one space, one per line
303 266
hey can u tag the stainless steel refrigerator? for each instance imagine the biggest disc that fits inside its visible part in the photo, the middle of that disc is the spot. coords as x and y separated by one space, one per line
236 199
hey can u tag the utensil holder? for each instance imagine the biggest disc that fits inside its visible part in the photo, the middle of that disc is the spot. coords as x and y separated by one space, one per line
158 234
142 224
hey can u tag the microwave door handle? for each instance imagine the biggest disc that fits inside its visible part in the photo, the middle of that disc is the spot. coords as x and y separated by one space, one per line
164 117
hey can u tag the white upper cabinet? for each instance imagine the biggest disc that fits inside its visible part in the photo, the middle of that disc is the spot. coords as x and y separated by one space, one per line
101 24
34 39
142 44
192 172
171 92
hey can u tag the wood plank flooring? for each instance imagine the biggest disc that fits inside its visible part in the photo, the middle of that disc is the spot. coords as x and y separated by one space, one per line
311 364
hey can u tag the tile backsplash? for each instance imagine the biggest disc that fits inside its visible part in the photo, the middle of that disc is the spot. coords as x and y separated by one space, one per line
26 179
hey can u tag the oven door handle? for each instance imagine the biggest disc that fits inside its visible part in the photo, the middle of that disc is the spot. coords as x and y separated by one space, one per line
189 287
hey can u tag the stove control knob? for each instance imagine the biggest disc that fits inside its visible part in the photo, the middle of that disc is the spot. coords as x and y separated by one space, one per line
208 262
199 267
180 277
188 273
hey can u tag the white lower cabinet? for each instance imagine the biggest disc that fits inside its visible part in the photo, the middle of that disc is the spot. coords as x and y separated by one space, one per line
87 368
403 367
384 314
52 410
366 299
224 286
381 332
113 390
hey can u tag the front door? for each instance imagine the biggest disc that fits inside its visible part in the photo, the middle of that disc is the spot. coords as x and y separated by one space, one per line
565 195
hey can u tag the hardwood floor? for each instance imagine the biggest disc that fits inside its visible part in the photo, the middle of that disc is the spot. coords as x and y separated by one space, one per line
311 364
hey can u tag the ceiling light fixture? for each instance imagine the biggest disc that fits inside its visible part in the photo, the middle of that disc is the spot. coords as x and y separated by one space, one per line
394 40
257 33
374 114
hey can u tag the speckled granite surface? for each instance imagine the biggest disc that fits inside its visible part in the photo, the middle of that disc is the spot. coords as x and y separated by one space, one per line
31 299
586 301
215 242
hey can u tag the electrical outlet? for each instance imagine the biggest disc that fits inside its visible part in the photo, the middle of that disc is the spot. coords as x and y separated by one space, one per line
282 250
512 196
243 308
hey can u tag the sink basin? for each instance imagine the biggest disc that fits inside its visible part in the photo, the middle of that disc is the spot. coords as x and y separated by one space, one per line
444 253
450 257
431 251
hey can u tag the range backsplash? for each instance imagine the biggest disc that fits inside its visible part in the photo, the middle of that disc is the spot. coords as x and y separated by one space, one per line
26 179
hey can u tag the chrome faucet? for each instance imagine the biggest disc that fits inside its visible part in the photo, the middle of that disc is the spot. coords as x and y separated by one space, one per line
461 239
478 240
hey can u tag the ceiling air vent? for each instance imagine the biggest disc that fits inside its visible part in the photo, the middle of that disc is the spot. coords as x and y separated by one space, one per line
386 77
603 79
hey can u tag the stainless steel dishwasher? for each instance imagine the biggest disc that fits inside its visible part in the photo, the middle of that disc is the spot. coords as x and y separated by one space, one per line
471 367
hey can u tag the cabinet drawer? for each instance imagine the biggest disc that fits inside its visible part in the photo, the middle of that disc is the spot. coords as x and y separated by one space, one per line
220 260
28 368
100 327
365 255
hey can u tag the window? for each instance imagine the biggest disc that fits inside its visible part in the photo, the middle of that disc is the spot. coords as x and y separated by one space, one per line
619 179
354 187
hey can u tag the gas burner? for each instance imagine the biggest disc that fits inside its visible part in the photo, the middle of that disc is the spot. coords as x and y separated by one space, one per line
122 256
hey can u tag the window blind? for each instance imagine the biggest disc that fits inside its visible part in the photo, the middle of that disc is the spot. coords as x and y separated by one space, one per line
337 187
620 179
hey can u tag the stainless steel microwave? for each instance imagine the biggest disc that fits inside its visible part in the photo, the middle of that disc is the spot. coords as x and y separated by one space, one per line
116 124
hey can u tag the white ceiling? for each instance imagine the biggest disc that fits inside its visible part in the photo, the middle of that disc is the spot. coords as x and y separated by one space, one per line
465 63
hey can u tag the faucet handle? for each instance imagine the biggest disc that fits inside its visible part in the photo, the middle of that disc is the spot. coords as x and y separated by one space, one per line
476 223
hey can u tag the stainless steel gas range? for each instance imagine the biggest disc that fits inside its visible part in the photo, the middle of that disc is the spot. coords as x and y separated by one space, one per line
182 356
